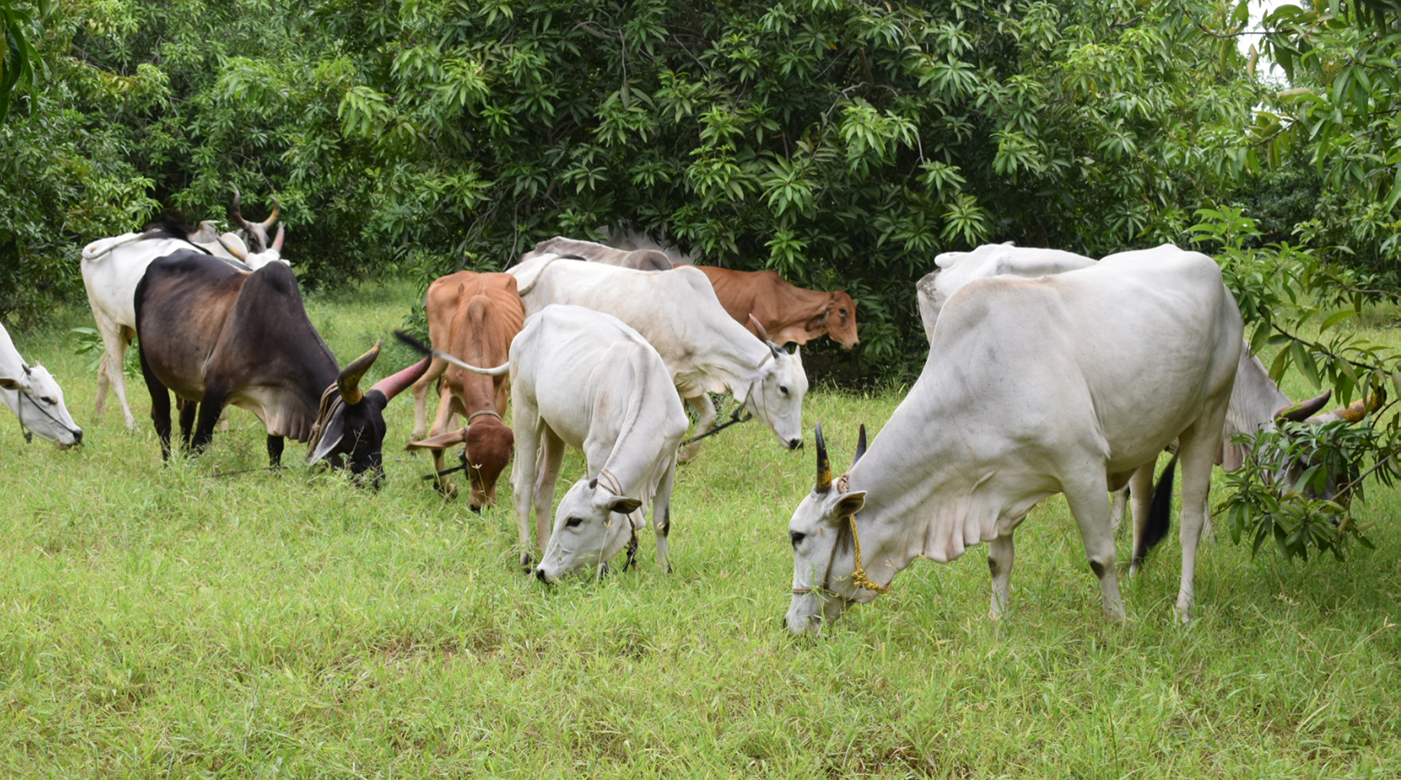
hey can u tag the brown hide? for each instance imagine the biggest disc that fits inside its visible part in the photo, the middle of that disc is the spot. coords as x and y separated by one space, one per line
474 317
787 312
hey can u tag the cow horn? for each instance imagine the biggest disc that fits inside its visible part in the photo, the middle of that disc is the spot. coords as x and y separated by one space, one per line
1355 411
277 242
860 444
759 329
276 207
349 379
824 466
235 213
1303 411
394 384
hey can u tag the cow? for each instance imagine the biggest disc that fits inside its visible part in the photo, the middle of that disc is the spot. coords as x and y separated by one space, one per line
678 313
1257 403
584 379
111 269
473 317
34 396
1060 384
216 333
638 260
790 313
254 233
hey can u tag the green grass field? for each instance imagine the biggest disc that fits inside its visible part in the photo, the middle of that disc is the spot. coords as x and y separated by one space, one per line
157 622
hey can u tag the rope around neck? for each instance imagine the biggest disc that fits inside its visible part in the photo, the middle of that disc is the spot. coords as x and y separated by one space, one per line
858 576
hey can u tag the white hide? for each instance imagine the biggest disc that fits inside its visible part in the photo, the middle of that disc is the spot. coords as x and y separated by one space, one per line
586 380
112 267
34 396
1061 384
705 350
955 269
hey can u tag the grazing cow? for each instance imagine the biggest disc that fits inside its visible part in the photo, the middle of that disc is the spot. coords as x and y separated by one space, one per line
788 312
111 269
955 269
1061 384
472 317
678 313
34 396
216 333
639 259
586 380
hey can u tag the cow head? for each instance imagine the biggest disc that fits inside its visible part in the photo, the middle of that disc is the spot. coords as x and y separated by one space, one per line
37 400
256 233
592 525
489 444
1333 470
838 318
350 427
823 551
774 392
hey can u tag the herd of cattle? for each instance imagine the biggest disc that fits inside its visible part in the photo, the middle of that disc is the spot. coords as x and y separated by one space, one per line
1048 372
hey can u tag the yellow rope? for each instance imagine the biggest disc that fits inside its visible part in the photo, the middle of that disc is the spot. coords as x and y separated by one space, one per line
858 577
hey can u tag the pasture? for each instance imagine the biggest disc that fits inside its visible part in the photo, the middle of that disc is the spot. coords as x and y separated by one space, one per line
161 622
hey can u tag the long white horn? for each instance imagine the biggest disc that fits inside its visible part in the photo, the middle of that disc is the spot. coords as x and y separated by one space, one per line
427 350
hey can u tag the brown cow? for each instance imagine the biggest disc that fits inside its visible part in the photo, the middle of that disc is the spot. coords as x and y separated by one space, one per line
472 317
787 312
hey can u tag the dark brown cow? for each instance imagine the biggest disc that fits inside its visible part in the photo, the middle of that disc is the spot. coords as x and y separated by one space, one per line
217 334
472 317
639 259
787 312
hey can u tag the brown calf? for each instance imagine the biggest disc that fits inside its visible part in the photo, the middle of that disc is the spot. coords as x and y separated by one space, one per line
787 312
472 317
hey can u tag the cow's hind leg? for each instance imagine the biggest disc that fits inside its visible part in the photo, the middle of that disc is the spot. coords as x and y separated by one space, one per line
1089 503
1198 453
115 342
551 457
1001 552
527 433
160 407
210 407
705 421
275 445
1141 496
661 515
187 419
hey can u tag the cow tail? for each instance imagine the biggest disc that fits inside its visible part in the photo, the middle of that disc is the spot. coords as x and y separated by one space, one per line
1159 513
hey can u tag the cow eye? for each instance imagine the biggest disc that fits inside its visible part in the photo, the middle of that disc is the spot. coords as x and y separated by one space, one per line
783 389
797 537
574 522
46 399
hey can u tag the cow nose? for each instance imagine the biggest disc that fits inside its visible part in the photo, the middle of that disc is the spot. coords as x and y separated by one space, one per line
475 507
794 444
78 436
540 575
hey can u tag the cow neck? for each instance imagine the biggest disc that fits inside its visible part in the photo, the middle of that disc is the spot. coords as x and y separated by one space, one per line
633 459
927 493
739 360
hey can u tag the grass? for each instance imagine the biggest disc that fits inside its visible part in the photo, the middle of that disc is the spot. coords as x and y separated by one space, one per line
158 622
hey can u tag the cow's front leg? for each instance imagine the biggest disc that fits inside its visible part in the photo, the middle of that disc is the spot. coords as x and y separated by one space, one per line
210 407
1090 505
551 457
705 422
160 407
1001 552
523 478
661 515
275 445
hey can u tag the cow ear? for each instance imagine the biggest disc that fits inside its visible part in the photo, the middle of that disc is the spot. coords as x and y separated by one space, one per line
330 436
625 506
850 503
440 442
9 384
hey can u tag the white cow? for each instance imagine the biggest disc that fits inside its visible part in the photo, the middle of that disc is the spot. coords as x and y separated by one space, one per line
34 396
955 269
111 269
639 259
705 350
1062 384
584 379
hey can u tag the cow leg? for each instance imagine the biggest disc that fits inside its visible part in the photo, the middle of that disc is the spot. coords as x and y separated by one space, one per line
160 407
1141 493
1090 505
661 515
210 407
187 419
551 457
1001 551
440 425
1116 509
705 421
1198 453
528 432
420 397
115 345
275 445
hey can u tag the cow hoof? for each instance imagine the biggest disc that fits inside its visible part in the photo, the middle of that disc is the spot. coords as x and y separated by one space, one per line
446 489
527 563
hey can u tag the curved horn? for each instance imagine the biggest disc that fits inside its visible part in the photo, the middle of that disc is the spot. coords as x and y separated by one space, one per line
394 384
860 444
824 466
427 350
349 379
759 329
235 213
276 207
277 242
1303 411
1355 411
